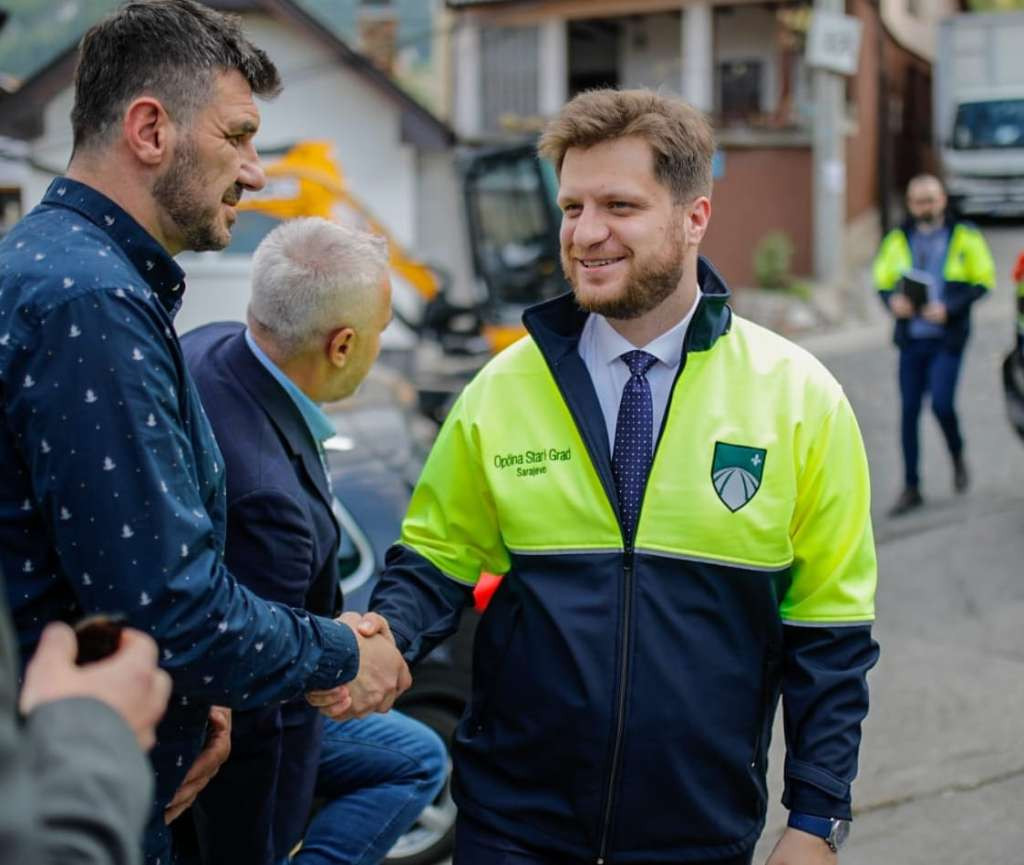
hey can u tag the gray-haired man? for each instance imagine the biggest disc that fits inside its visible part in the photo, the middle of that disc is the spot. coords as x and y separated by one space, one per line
320 299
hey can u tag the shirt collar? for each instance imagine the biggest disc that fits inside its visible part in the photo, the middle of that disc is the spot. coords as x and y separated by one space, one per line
318 423
667 348
150 259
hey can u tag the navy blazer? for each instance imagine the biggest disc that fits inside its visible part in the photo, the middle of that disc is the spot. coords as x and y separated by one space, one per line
282 543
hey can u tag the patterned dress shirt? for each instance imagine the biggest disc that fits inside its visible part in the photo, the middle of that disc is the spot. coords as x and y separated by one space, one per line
112 494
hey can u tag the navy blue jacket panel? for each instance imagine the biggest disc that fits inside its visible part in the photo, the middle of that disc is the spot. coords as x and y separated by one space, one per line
282 542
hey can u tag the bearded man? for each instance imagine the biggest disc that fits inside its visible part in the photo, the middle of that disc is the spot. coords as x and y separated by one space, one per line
929 272
113 492
678 501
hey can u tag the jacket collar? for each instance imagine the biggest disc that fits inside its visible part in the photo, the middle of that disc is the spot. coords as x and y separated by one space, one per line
279 407
556 324
909 224
319 425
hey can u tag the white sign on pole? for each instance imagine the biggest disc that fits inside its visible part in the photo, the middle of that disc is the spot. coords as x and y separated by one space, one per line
833 42
833 176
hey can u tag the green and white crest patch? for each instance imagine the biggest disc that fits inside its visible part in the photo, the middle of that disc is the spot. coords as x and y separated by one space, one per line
736 473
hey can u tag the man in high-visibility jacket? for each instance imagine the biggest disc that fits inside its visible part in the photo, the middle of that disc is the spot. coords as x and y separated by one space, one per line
929 272
678 500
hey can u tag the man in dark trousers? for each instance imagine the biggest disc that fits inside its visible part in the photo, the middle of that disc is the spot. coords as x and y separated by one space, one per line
929 272
320 299
112 494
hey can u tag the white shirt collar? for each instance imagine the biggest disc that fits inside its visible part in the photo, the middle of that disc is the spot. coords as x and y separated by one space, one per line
610 345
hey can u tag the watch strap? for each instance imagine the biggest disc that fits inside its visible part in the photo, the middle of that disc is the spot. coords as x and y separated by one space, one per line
831 830
820 826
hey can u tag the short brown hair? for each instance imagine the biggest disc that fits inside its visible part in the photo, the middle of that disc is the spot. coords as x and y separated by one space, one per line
172 49
678 133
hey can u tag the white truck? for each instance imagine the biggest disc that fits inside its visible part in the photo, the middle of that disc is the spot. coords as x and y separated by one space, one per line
978 111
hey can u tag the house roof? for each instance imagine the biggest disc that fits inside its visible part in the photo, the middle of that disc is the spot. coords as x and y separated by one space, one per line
530 11
462 4
468 4
23 110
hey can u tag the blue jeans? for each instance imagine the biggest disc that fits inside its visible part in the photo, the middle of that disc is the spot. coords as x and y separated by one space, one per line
376 775
927 367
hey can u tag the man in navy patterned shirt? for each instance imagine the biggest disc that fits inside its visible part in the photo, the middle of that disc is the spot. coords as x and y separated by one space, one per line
112 498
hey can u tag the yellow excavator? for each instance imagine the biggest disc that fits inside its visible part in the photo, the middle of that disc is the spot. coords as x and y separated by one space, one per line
307 181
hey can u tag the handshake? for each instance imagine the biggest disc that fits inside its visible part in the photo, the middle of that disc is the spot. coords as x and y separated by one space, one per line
382 677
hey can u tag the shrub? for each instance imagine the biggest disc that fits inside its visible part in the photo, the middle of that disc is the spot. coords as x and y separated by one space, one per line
773 257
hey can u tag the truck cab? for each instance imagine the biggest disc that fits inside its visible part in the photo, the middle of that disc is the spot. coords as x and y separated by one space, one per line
979 112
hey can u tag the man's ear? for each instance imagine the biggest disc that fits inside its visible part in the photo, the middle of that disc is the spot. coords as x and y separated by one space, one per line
148 130
696 218
339 346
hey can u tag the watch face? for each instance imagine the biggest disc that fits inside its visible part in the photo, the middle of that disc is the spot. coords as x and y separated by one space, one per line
840 832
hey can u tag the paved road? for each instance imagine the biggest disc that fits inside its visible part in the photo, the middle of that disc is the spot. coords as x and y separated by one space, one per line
942 763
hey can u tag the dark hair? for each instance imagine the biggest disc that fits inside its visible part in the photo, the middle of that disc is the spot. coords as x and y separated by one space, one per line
170 49
678 133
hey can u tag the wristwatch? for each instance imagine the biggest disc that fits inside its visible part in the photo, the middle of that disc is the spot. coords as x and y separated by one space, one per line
831 830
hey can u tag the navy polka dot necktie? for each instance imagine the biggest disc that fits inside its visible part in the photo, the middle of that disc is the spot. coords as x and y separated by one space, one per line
634 431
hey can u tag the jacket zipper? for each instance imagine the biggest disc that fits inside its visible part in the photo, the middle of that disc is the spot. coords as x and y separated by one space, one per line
627 573
627 606
627 609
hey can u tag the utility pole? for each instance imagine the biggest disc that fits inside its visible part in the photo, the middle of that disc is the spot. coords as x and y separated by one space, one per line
885 179
829 148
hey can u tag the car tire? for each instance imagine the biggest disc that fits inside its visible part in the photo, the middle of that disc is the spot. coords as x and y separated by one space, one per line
431 838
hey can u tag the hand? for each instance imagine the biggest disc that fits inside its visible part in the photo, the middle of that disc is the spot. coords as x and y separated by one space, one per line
336 702
801 848
368 624
209 761
900 305
934 312
129 681
383 674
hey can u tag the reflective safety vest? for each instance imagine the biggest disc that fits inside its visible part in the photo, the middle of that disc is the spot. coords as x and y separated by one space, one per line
623 695
969 272
968 259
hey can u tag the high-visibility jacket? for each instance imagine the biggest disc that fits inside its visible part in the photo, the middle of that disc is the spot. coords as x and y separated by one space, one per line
969 273
623 695
1018 279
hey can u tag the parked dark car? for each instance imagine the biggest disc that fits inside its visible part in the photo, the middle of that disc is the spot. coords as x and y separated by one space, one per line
374 461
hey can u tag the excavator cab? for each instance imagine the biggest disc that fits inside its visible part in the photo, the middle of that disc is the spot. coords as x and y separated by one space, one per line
513 222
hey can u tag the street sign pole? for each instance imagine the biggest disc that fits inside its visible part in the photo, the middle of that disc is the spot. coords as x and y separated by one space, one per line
833 48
